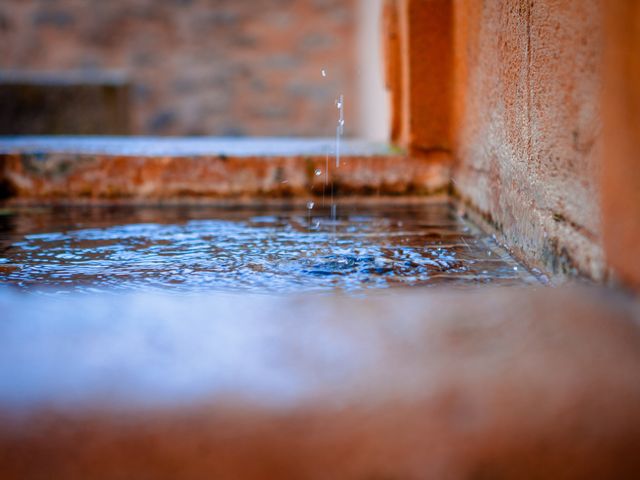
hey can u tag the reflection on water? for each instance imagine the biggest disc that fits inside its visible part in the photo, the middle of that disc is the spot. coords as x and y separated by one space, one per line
272 251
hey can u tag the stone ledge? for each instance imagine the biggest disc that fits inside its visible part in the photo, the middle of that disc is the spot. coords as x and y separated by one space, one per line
502 383
142 169
127 146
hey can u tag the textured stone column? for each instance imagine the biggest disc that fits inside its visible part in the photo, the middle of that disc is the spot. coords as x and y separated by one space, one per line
419 54
621 162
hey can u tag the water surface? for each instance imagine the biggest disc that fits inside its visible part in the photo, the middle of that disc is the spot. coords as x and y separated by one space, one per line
270 250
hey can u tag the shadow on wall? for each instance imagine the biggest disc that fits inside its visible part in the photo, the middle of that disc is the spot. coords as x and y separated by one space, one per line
50 104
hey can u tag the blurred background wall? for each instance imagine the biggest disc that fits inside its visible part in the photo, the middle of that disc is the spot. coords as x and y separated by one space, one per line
207 67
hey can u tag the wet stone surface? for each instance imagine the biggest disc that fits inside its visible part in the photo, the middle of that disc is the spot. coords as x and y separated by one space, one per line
276 250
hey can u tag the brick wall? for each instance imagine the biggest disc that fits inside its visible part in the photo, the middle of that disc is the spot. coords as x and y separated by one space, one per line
198 67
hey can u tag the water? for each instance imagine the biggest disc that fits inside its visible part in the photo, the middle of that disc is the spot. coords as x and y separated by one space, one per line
273 251
339 126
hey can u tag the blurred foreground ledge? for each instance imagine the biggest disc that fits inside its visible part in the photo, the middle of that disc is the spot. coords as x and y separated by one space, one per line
536 383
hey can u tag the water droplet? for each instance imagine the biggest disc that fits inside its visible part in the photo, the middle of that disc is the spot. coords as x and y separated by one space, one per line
339 128
310 205
515 269
318 172
324 72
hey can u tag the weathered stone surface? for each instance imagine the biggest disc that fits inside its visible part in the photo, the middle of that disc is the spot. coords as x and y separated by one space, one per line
528 77
121 169
508 384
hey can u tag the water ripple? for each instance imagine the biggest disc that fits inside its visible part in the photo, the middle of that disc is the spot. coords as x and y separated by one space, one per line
272 252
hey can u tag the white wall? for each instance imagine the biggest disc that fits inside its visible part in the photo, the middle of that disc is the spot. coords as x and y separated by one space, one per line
373 99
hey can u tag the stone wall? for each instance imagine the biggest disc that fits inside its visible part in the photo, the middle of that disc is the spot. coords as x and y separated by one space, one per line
198 67
510 90
527 126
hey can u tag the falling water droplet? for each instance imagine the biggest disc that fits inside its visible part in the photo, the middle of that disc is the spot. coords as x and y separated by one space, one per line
340 127
324 72
318 172
310 205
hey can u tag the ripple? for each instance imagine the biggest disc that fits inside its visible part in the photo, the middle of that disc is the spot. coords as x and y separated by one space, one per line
272 252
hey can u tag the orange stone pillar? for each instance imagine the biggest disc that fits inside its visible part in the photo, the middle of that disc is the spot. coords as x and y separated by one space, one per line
419 36
621 160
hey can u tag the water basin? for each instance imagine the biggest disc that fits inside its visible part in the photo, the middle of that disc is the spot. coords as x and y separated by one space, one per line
268 249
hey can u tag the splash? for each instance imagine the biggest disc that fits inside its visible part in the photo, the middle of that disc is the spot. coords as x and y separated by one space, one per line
257 250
